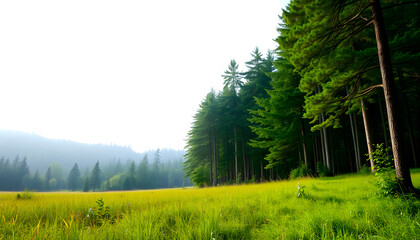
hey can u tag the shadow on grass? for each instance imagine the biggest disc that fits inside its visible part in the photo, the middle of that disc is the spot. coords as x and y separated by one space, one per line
325 199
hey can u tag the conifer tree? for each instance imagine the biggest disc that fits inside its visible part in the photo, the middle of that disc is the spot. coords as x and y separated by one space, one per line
73 179
95 177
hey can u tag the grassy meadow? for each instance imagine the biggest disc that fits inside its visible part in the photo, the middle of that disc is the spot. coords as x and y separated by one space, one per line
342 207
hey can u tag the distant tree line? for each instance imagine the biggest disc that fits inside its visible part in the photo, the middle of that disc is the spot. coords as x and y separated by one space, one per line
16 176
320 102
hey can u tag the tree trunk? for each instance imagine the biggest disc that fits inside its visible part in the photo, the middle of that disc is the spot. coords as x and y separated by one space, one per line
315 149
321 143
211 157
383 122
214 157
302 132
236 154
357 140
356 157
391 100
245 177
367 133
327 155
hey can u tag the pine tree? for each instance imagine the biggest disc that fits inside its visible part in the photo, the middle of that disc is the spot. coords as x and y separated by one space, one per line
73 180
37 183
278 122
201 149
47 179
95 177
143 173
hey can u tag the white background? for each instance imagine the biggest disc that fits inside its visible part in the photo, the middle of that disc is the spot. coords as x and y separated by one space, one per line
123 72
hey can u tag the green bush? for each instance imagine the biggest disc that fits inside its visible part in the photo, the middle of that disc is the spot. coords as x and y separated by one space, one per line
386 183
365 170
322 170
98 216
301 171
25 195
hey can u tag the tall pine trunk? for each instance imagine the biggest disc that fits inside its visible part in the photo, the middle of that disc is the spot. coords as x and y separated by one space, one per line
381 110
211 157
302 132
244 161
355 142
325 143
214 156
367 133
391 100
236 154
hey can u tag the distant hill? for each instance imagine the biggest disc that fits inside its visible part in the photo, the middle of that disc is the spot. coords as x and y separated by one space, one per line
41 152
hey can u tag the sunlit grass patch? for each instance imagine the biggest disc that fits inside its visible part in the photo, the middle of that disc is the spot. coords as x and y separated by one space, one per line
343 207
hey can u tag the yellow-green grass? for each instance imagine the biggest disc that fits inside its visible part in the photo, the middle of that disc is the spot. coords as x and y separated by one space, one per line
343 207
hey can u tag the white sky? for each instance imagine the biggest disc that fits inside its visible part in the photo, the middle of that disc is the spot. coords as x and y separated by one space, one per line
122 72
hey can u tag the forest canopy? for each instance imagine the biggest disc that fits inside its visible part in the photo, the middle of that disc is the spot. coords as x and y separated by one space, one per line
345 77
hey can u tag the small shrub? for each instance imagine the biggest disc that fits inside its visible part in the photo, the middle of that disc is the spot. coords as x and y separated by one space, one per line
97 216
239 179
365 170
301 171
252 180
300 191
25 195
384 171
322 170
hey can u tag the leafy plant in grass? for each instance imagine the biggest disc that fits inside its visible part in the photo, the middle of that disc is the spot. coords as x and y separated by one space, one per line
384 171
25 195
300 191
98 216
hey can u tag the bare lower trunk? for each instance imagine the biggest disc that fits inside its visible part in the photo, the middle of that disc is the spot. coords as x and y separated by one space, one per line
302 132
325 143
244 160
391 100
321 134
211 159
367 133
236 154
214 157
381 110
355 145
357 141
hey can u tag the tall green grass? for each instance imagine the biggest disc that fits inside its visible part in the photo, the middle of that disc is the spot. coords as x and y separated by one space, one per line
343 207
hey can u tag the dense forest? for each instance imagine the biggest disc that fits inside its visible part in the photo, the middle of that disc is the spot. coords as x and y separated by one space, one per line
42 151
129 175
344 78
50 165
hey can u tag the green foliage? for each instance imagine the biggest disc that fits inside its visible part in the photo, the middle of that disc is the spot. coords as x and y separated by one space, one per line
26 195
73 180
95 177
98 216
301 171
386 181
340 207
278 120
365 170
300 191
86 185
322 170
200 176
